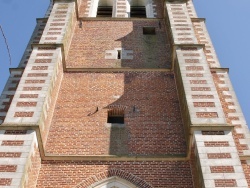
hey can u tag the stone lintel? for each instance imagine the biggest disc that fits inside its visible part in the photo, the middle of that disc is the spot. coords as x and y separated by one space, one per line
211 127
16 69
112 70
244 157
220 70
41 19
198 19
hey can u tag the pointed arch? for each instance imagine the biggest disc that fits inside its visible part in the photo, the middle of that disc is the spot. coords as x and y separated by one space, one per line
117 176
113 182
94 4
147 5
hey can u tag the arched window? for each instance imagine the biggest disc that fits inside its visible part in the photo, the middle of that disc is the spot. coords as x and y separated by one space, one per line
112 8
105 8
101 8
138 9
141 9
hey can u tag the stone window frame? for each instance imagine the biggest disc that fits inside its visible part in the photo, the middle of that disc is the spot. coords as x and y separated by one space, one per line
116 112
147 3
94 7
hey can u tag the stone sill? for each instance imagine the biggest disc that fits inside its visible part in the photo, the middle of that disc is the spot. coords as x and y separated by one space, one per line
115 125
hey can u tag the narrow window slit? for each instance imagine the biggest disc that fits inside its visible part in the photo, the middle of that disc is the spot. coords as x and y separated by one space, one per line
149 31
118 54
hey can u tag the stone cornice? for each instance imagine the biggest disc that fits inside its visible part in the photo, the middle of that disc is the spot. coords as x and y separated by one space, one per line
198 19
113 70
16 69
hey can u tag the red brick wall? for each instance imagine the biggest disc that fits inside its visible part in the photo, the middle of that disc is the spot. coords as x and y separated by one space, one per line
246 168
83 8
227 110
90 42
157 174
152 115
159 11
47 121
33 170
5 181
196 169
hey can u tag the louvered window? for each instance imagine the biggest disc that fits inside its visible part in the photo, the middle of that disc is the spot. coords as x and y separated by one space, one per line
116 116
138 12
104 11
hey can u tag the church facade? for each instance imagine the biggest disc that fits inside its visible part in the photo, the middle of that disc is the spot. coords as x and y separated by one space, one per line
121 94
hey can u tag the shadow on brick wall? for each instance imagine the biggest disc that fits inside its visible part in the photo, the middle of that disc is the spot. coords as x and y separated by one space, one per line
152 118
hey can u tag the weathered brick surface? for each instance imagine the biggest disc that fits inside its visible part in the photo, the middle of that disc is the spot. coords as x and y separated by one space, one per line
226 109
32 88
50 111
43 60
153 123
15 132
202 97
246 168
198 82
5 181
196 169
157 174
40 68
12 143
26 104
194 75
44 54
216 144
10 154
192 60
8 168
200 89
213 132
204 104
225 183
194 68
34 81
23 114
37 75
28 95
207 114
33 170
90 42
222 169
218 155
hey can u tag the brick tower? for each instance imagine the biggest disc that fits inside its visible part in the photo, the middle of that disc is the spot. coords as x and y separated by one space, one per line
121 94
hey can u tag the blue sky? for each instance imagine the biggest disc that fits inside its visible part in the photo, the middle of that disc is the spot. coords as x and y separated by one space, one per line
227 22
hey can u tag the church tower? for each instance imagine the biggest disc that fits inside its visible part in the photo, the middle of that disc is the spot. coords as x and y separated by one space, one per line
121 94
